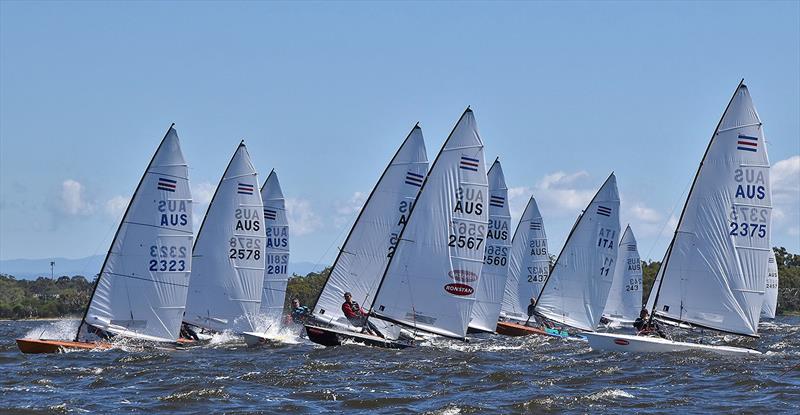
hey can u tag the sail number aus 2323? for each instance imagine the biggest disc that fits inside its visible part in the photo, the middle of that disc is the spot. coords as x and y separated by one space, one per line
167 264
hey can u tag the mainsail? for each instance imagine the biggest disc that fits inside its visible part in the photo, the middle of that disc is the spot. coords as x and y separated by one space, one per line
529 264
225 288
429 282
276 249
372 240
714 273
577 289
770 305
625 297
491 285
141 290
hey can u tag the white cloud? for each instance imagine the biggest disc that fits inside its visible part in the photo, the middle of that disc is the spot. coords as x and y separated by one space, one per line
116 206
202 192
302 218
73 200
785 182
347 210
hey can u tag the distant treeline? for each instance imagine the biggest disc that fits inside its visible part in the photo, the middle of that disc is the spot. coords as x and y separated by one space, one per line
69 296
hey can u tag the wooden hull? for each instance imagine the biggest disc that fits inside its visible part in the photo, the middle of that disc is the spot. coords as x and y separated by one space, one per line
508 328
57 346
330 337
641 344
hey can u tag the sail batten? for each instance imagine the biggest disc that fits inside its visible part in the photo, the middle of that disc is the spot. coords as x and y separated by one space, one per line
150 256
713 272
225 288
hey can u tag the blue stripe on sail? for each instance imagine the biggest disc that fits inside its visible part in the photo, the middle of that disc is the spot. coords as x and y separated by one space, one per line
602 210
469 163
168 185
414 184
747 149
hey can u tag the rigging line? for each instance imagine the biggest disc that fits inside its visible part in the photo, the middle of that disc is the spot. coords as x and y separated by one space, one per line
666 221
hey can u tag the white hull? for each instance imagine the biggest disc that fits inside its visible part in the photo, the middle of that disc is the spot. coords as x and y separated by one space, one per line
255 339
641 344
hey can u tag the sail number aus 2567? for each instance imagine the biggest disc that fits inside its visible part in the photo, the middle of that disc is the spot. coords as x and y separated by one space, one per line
466 235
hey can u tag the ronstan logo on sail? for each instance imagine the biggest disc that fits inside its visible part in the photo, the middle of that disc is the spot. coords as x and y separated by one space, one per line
463 275
459 289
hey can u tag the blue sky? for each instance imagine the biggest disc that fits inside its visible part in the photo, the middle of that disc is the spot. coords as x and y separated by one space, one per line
324 93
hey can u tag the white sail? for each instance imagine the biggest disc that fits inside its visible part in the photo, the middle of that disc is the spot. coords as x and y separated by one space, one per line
577 289
529 264
430 280
225 289
492 283
713 275
363 257
276 249
625 296
770 305
141 291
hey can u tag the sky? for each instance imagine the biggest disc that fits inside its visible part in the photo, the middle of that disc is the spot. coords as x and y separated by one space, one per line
563 92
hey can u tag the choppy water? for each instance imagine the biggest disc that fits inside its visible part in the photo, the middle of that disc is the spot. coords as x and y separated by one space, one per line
492 374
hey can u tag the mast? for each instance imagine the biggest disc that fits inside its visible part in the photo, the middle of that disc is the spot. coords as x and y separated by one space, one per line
361 212
116 234
402 232
667 255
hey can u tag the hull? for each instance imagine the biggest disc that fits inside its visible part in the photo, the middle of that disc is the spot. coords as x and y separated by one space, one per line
330 337
475 330
508 328
253 339
34 346
640 344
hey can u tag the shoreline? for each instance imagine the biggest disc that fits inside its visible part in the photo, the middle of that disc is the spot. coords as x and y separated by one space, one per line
42 318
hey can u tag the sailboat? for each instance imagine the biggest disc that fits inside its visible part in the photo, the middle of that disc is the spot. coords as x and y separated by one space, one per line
372 240
428 283
140 292
770 305
713 274
625 297
491 285
576 291
528 269
276 257
225 288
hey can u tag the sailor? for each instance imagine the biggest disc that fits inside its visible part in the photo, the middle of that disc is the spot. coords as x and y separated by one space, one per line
531 310
300 313
647 327
357 316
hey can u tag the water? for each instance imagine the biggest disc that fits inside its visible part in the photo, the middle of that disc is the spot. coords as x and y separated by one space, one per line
492 374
